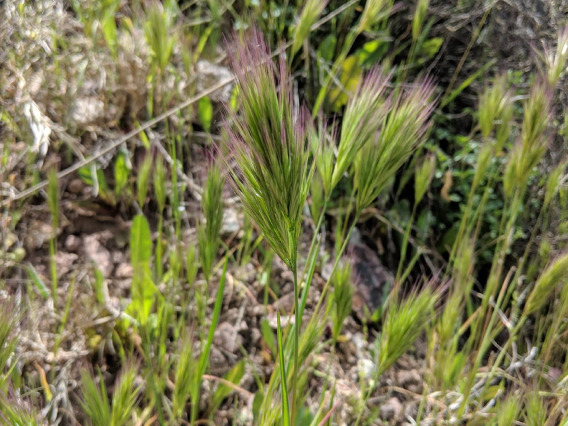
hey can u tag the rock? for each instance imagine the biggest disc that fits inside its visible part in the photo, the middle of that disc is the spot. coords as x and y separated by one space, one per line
227 337
217 360
124 270
87 111
98 254
209 75
285 304
230 223
64 261
410 379
76 186
372 280
366 368
284 320
391 409
73 243
37 234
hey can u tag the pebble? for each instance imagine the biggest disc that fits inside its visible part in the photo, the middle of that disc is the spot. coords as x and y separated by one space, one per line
391 409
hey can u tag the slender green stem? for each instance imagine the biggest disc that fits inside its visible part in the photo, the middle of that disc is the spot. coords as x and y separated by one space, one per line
336 263
405 243
53 270
296 346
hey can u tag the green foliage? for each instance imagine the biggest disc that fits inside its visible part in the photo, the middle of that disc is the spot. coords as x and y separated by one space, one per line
119 410
286 416
158 31
403 323
184 376
208 233
205 112
310 13
143 288
485 241
363 115
556 275
95 400
342 297
401 132
223 390
142 180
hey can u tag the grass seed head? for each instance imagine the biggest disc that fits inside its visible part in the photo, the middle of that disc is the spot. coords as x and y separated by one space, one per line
212 206
363 115
556 61
310 13
375 11
404 322
402 131
424 174
534 139
552 277
268 142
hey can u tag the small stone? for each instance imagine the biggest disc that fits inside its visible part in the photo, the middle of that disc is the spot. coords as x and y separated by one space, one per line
227 337
255 336
73 243
285 303
231 222
37 234
124 270
391 409
87 111
217 359
64 261
76 186
99 255
410 379
366 368
209 75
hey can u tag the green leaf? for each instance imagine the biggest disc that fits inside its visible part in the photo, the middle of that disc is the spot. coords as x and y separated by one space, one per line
98 286
350 75
466 83
205 112
108 25
143 288
143 179
140 241
326 49
143 294
121 172
268 335
37 281
234 98
371 52
431 46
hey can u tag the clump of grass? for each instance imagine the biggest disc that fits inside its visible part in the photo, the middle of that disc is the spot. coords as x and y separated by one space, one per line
342 297
208 233
405 320
374 12
119 410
